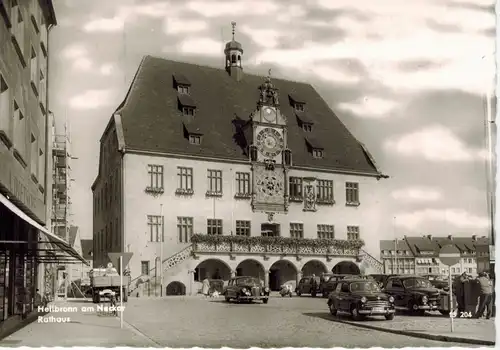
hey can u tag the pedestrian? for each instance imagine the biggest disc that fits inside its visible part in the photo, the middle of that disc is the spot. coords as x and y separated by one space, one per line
314 285
459 289
485 296
38 298
205 287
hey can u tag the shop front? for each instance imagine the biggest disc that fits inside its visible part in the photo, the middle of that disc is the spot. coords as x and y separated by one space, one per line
27 251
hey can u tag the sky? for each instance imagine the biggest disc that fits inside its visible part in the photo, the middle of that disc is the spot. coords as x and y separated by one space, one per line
408 78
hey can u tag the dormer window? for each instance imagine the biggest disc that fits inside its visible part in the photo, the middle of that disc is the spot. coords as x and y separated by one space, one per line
195 139
299 107
189 111
183 89
307 127
317 153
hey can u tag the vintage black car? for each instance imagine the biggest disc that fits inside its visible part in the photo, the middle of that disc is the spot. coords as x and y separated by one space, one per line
438 281
306 286
245 288
361 298
330 284
415 294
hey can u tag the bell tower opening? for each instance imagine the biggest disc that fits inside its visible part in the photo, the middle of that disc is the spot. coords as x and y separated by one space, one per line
233 52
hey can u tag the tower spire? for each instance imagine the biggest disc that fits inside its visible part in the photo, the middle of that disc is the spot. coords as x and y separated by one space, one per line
233 24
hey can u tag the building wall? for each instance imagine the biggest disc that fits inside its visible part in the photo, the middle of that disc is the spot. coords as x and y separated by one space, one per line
24 80
107 201
138 205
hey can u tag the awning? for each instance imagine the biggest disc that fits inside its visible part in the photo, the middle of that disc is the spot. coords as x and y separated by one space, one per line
64 253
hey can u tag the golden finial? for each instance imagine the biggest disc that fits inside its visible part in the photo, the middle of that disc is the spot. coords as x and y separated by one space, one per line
233 24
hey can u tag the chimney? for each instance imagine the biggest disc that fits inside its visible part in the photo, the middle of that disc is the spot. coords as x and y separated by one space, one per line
429 236
450 237
474 238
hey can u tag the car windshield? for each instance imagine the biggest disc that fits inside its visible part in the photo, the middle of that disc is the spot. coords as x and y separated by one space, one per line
368 286
417 283
249 281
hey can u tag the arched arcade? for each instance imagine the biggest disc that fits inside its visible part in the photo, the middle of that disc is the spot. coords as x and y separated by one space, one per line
251 267
212 269
282 272
346 268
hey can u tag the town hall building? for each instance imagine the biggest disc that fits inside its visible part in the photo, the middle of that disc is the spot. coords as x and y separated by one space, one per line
217 172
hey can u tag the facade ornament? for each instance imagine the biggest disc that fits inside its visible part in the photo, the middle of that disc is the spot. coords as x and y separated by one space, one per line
309 198
270 216
268 92
269 164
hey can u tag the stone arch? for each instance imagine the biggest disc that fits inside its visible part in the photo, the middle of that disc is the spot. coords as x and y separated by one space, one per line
314 267
346 268
251 267
212 268
175 288
282 272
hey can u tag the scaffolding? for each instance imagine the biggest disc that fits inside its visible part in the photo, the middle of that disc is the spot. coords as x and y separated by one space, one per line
61 201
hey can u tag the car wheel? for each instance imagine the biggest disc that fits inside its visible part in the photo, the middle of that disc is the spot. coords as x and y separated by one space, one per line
290 295
228 299
265 300
415 310
313 294
333 310
298 294
389 317
355 314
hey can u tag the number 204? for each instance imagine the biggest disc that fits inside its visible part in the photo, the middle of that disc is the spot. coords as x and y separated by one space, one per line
461 314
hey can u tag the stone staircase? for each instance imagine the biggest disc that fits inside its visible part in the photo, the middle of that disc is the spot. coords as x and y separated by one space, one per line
168 263
371 261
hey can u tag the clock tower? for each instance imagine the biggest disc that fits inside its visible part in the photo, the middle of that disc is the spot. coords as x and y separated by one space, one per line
269 153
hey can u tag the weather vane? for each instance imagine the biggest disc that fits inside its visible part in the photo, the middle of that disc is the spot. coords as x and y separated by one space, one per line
233 23
269 73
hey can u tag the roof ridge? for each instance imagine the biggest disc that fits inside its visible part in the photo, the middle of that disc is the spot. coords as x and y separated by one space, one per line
132 85
222 69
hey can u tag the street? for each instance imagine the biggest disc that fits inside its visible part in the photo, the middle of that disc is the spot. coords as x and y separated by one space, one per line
283 322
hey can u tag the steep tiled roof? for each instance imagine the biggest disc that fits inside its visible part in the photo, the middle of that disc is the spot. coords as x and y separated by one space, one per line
152 121
87 247
422 244
390 244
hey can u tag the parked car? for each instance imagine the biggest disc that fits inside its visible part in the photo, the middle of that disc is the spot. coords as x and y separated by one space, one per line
245 288
415 294
361 298
381 279
329 285
306 286
438 281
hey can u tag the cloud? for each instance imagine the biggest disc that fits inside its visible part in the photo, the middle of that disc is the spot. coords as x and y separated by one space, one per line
334 74
417 194
107 68
369 107
82 63
180 26
268 38
233 8
458 218
434 143
201 46
74 51
113 24
91 99
385 34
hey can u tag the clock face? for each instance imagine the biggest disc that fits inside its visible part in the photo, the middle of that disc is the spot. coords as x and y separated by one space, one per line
269 114
270 142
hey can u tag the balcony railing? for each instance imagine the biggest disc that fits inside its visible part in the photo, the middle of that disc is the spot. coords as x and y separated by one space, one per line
274 245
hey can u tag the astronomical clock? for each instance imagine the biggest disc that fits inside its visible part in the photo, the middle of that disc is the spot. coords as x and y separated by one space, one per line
269 153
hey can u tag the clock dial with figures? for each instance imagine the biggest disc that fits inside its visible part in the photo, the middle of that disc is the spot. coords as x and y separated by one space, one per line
270 142
269 114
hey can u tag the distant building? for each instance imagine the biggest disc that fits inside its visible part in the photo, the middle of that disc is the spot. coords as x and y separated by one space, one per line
87 253
420 255
256 176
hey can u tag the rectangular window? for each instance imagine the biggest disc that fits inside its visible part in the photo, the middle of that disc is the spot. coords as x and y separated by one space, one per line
296 230
19 131
352 233
155 173
299 107
195 139
352 193
34 71
307 127
243 228
34 157
317 153
188 111
155 228
326 232
183 89
41 167
214 227
242 183
185 178
145 268
184 228
325 190
214 181
5 116
295 188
